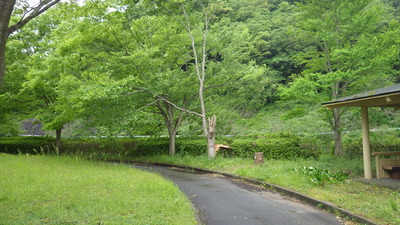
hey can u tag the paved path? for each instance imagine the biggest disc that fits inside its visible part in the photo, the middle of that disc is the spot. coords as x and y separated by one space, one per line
223 201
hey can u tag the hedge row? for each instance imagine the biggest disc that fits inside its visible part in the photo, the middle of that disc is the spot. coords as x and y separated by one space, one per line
31 145
126 147
354 149
279 146
274 146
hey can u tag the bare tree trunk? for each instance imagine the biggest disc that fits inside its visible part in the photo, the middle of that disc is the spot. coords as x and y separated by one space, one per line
200 63
58 140
337 134
200 60
211 136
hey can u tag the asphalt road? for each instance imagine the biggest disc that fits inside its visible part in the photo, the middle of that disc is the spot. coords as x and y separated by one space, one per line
223 201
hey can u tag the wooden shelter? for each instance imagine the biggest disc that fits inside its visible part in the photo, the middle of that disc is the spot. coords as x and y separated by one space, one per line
381 97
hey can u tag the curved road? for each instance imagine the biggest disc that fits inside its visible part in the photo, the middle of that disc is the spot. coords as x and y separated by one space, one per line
223 201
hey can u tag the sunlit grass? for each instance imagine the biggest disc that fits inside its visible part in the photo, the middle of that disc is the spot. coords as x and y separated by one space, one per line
59 190
376 203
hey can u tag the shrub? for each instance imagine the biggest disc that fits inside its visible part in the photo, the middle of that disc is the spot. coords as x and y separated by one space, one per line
135 147
274 146
149 147
95 148
193 147
322 176
23 145
353 149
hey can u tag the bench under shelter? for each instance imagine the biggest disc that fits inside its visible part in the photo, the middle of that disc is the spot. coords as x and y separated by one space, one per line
381 97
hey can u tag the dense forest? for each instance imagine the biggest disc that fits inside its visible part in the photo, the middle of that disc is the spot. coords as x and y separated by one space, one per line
158 67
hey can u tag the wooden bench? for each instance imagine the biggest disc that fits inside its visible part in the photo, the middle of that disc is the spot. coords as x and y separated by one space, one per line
387 168
393 170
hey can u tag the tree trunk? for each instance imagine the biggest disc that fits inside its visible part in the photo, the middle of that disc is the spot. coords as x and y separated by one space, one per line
200 61
211 136
172 138
172 122
2 61
337 133
6 8
58 140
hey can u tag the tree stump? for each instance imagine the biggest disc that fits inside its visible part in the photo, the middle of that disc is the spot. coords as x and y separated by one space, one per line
259 158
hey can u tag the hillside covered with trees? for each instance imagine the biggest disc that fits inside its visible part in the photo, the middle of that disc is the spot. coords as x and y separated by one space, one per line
204 67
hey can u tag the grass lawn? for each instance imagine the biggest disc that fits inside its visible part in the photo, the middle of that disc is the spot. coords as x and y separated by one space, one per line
378 204
64 190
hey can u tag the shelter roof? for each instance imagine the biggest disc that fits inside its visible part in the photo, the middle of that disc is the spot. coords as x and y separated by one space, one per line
381 97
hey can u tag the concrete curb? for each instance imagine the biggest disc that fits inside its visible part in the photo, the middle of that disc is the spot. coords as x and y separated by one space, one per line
304 198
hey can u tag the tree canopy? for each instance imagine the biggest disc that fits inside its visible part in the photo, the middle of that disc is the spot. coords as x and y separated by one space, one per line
165 67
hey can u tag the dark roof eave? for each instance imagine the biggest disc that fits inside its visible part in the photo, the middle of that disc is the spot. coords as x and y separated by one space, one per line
359 98
365 96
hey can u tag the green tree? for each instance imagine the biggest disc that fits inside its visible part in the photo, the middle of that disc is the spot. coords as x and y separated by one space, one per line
21 46
219 52
39 94
122 64
25 13
355 48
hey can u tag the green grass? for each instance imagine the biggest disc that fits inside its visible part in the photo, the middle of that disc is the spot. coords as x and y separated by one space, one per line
378 204
65 190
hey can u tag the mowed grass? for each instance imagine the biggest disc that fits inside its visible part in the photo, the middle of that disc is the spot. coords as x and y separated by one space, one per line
378 204
65 190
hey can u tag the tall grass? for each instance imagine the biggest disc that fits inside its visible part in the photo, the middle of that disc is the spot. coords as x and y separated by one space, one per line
60 190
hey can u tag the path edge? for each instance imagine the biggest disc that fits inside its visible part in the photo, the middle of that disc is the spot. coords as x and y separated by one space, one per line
329 207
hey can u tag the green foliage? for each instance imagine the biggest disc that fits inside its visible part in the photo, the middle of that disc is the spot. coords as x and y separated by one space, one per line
100 148
9 126
104 148
352 149
31 145
191 146
107 64
321 176
296 112
275 146
152 146
344 55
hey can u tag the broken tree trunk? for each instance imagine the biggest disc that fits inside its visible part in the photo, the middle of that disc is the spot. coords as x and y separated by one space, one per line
211 136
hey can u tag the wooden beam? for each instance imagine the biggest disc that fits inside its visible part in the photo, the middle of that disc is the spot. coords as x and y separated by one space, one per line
385 153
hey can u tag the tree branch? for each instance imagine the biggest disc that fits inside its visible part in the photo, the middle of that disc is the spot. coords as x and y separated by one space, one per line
218 85
31 14
193 43
148 105
173 15
179 108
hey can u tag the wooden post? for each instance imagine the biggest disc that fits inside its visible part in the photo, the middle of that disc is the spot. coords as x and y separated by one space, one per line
366 143
258 158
